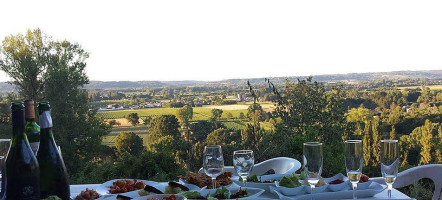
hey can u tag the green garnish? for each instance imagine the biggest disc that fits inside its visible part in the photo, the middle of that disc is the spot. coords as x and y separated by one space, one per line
289 181
224 192
191 195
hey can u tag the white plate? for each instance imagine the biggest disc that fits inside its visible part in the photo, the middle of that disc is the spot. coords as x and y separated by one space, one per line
289 191
253 192
103 189
374 188
160 196
346 185
264 186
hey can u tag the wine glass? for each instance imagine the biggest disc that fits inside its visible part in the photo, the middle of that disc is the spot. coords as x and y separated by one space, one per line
213 162
243 161
353 162
312 160
389 162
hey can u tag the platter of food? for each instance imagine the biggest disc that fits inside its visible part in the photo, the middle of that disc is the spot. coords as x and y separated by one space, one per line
161 197
197 181
241 193
120 186
255 182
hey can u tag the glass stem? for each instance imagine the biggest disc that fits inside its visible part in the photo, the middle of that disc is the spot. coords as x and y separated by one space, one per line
213 183
313 188
389 186
244 181
355 186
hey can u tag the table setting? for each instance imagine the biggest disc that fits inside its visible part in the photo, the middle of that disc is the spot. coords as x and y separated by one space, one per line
271 179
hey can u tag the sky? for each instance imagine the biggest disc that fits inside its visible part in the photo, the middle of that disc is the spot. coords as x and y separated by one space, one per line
215 40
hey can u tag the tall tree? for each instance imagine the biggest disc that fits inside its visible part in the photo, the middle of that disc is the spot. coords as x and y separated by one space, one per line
366 144
24 59
426 142
376 141
129 142
185 114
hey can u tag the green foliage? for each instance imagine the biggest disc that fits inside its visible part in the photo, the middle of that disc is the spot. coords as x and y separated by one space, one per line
185 114
155 166
241 115
306 105
163 125
426 142
24 59
132 118
367 144
216 114
129 142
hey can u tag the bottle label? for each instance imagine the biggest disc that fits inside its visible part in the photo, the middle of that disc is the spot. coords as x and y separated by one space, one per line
46 120
34 146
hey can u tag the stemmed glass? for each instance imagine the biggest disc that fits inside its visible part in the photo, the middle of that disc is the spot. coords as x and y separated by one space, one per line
243 161
312 160
389 162
353 162
213 162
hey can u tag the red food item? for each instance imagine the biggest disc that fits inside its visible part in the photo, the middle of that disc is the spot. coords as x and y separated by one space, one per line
337 181
171 197
87 195
123 186
364 178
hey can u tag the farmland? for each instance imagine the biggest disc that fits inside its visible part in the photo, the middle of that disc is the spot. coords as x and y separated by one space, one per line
199 113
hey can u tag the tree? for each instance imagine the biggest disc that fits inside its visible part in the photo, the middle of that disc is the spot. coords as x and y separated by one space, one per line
366 144
200 129
163 125
426 142
129 142
24 59
55 71
255 113
132 118
376 141
393 132
438 144
76 127
241 115
216 114
185 114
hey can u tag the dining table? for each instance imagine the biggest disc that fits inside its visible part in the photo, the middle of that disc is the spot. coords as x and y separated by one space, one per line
395 194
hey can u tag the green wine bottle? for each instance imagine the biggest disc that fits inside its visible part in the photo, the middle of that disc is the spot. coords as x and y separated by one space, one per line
22 170
54 178
32 129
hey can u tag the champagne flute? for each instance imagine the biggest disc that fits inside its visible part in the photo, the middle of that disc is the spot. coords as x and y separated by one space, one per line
353 162
389 162
312 160
213 162
243 161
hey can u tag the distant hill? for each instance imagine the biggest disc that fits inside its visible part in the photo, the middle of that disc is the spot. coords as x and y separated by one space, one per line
430 74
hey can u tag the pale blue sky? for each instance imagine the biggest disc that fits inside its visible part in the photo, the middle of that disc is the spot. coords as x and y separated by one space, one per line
213 40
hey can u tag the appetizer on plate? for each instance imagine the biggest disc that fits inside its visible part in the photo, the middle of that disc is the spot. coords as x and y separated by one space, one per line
87 195
202 180
171 197
149 190
123 186
254 179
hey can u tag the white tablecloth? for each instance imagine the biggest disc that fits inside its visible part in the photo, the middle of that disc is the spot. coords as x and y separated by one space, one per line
76 189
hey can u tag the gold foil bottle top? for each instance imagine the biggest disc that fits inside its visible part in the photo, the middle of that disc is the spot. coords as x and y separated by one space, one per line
29 109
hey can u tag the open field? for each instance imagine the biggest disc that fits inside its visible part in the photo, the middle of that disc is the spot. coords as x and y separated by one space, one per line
199 113
432 87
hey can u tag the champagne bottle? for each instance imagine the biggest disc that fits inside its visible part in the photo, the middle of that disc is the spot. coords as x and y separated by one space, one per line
22 170
31 128
54 178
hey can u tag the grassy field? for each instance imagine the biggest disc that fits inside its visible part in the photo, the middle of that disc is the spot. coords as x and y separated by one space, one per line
432 87
199 113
